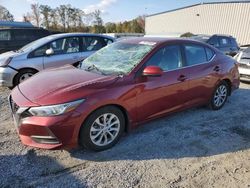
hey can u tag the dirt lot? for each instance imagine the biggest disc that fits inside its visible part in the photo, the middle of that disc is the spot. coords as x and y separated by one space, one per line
195 148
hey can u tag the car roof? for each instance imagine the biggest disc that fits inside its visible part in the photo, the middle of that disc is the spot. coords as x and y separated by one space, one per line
159 40
55 36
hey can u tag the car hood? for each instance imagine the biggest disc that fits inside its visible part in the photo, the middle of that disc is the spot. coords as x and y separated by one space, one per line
64 84
8 54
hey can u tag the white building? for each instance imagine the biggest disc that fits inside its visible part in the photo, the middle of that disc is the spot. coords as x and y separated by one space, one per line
230 18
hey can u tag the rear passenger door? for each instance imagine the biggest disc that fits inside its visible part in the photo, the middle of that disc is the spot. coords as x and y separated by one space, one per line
202 72
66 51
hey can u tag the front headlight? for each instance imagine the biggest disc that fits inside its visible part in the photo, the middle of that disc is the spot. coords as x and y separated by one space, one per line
55 110
5 61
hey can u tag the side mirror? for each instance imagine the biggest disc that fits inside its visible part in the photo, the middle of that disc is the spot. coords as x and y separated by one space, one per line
49 52
154 71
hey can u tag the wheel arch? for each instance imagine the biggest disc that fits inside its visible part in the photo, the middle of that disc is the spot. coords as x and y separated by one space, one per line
229 83
23 69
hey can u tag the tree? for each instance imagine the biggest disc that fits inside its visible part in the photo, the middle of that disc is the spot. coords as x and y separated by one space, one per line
35 14
5 15
110 27
62 12
188 34
46 13
98 22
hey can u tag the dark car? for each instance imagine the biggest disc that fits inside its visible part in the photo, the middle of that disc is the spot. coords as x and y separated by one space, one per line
119 87
14 38
227 44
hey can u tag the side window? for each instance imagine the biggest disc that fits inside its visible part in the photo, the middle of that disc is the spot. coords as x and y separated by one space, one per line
92 43
213 41
5 35
195 54
40 51
65 45
20 34
108 41
167 58
234 43
210 54
224 41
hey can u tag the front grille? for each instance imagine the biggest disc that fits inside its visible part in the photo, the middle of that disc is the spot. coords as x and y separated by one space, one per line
18 112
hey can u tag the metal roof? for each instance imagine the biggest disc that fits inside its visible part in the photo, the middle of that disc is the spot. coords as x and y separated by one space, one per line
11 24
197 4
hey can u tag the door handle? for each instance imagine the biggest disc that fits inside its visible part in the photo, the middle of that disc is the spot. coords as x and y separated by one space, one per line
182 78
216 68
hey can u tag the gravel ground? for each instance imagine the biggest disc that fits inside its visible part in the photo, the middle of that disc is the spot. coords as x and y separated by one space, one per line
194 148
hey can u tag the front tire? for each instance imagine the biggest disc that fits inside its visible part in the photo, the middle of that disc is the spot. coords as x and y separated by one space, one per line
220 96
23 75
102 129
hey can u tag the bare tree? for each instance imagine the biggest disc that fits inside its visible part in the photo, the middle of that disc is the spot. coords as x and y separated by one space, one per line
5 15
45 12
35 15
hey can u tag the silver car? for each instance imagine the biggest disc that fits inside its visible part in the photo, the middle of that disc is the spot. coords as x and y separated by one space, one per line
243 57
51 51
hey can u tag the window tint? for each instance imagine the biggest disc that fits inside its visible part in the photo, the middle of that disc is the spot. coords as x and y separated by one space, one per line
22 34
167 58
65 45
210 54
5 35
108 41
40 51
224 41
234 43
93 43
195 55
213 41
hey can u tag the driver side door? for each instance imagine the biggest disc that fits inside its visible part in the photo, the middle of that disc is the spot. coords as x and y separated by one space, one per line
167 93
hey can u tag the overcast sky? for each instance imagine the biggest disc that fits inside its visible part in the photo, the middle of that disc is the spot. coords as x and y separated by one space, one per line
113 10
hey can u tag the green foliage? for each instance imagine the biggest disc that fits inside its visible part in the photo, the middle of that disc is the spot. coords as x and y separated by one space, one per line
188 34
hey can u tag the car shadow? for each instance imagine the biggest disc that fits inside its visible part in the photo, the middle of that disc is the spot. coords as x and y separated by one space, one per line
32 170
198 132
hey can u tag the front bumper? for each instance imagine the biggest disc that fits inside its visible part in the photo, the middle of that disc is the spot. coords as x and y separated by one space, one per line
7 75
45 132
244 74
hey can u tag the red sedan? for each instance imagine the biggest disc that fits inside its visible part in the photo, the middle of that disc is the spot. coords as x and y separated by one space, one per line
122 85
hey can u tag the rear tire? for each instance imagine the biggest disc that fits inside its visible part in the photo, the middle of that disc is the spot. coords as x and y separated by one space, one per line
102 129
23 75
220 96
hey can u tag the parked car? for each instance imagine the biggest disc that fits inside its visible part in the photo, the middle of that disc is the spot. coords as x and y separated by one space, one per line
51 51
122 85
243 57
227 44
14 38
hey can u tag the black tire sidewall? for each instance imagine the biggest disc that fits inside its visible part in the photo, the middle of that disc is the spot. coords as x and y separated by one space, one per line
20 73
84 136
212 105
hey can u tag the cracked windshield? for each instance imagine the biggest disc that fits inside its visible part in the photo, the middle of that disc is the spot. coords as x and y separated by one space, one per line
118 58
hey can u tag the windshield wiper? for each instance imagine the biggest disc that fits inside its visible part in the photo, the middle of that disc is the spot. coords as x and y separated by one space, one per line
93 67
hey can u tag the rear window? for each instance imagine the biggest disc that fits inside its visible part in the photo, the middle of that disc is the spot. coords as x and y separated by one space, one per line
224 41
5 35
195 54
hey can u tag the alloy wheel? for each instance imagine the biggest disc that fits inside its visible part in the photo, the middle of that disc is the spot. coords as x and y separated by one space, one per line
220 96
105 129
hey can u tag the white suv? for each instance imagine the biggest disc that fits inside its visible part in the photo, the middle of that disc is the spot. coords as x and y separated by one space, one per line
243 57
